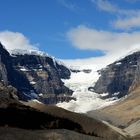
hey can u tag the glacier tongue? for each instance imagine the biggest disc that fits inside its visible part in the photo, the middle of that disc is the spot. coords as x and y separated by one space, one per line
85 100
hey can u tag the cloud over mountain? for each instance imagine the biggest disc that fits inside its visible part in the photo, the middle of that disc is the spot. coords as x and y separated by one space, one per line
86 38
15 40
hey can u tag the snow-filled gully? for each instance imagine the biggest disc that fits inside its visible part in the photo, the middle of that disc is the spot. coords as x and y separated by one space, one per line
85 99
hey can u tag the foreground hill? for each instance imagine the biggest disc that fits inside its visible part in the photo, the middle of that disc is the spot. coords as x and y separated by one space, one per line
54 134
90 126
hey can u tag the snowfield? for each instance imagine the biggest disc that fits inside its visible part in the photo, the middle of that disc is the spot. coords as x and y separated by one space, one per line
85 100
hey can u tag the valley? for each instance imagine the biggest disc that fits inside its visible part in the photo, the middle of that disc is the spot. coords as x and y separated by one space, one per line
29 106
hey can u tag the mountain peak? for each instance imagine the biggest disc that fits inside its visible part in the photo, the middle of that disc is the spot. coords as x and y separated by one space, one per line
3 50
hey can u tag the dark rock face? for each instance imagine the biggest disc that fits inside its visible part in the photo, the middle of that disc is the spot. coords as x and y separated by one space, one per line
4 64
34 75
8 94
9 75
136 81
118 77
63 72
84 70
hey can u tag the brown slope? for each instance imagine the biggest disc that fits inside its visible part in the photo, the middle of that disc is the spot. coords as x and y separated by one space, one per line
123 113
133 129
89 125
54 134
136 137
16 115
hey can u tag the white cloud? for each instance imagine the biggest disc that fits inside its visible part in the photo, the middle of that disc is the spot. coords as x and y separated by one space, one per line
126 18
68 5
105 5
15 40
114 44
128 23
86 38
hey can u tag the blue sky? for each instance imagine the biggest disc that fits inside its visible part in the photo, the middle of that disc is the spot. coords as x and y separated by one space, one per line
56 26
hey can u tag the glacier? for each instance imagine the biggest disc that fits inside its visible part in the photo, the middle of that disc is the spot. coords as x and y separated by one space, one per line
86 100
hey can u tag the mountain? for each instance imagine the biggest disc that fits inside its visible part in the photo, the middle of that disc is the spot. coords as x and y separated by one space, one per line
35 76
118 78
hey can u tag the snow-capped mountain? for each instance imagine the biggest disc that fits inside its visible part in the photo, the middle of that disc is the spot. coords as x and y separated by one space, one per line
84 87
35 75
16 52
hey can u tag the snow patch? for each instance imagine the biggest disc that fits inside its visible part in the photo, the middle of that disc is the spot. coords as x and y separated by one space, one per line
40 94
34 100
32 82
104 94
116 93
23 69
118 63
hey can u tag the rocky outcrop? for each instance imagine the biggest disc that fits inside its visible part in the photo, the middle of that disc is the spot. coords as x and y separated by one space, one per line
117 78
34 76
5 64
9 75
84 70
8 94
136 81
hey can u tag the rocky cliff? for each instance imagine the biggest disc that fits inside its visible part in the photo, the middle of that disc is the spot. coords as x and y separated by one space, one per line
120 77
34 76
